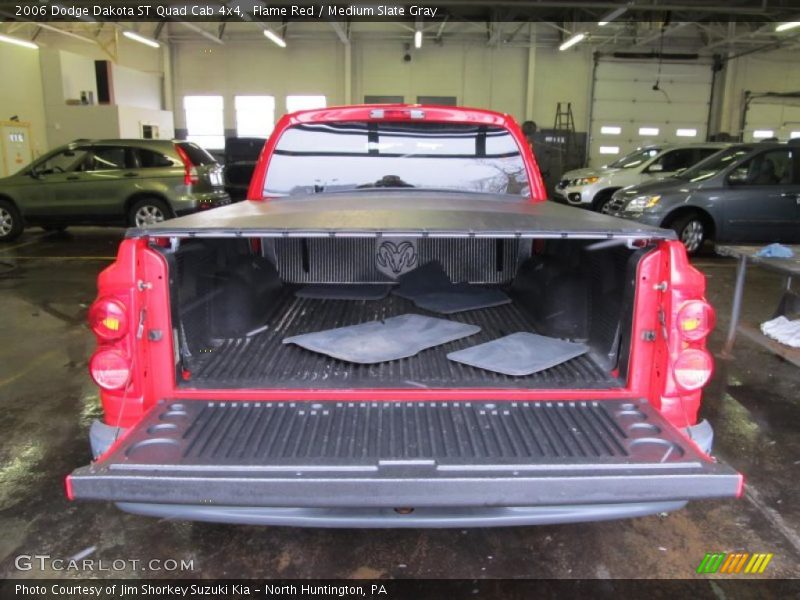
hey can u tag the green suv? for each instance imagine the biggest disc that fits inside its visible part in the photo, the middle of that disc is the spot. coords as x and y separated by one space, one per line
110 182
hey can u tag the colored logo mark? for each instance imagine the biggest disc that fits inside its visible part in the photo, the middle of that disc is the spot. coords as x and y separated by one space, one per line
734 563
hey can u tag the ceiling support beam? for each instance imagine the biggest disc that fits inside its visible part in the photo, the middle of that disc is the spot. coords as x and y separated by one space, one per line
344 34
199 30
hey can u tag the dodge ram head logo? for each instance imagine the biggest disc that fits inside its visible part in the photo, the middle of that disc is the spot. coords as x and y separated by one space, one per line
396 257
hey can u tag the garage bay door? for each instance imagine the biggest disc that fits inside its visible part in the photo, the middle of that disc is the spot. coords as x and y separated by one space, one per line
627 112
772 115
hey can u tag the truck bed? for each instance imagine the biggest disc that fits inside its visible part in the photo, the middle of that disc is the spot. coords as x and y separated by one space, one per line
263 360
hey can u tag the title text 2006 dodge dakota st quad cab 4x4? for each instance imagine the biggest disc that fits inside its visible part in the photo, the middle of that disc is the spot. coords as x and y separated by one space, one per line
396 330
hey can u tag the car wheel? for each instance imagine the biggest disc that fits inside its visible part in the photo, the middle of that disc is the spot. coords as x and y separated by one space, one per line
148 211
691 231
601 203
10 222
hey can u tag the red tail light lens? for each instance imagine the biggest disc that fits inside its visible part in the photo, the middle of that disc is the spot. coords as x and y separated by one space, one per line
110 369
190 175
693 369
696 319
108 319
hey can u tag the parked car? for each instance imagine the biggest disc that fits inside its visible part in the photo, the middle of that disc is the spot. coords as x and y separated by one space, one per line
745 193
241 155
593 188
214 411
110 182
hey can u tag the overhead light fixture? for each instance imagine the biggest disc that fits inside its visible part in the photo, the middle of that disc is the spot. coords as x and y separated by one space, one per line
141 39
572 41
614 14
418 39
18 42
787 26
274 37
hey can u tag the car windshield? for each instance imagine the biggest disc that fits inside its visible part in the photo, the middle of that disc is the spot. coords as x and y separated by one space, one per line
635 158
350 156
715 163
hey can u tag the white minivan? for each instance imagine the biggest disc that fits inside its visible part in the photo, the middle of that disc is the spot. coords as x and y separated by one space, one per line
593 187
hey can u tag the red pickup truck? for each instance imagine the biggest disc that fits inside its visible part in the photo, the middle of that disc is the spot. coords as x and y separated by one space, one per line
397 330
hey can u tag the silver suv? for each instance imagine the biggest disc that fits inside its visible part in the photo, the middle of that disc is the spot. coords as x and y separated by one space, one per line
110 182
593 188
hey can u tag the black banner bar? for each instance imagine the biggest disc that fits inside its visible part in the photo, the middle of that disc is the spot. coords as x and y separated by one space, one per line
731 588
282 11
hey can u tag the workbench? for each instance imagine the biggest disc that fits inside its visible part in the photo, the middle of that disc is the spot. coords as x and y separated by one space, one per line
789 302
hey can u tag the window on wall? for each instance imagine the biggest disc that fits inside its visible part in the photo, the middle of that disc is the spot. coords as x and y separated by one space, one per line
294 103
438 100
255 115
384 99
205 122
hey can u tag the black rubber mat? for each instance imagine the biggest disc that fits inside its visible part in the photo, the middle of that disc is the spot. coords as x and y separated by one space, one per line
380 341
262 360
519 354
346 291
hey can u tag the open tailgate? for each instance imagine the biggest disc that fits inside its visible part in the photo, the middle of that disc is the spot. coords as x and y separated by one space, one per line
390 454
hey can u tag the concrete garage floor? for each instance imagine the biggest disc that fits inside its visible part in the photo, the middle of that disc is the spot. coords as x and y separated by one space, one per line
47 402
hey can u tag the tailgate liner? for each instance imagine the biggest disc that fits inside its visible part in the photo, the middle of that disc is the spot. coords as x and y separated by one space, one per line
403 454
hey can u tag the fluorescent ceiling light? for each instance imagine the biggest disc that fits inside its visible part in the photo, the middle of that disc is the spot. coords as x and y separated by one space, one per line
648 130
614 14
760 134
787 26
18 42
611 129
572 41
141 39
271 35
418 38
686 132
609 149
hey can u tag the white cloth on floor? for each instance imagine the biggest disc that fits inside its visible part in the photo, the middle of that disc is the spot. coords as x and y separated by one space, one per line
783 330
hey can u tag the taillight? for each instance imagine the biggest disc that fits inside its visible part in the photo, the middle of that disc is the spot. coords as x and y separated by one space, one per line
692 369
110 369
696 319
397 113
108 319
190 175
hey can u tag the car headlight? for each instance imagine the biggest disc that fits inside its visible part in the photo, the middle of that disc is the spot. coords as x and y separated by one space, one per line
641 203
585 181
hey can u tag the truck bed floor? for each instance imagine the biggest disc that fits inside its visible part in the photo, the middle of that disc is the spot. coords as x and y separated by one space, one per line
263 360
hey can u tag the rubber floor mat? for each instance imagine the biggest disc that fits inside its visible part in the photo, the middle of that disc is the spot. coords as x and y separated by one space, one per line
382 341
429 288
519 354
426 279
461 297
356 291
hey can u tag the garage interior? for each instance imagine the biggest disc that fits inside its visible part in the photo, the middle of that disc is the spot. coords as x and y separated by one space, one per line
641 74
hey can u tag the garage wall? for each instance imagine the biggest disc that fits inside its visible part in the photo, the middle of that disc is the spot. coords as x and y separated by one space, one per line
43 79
259 68
768 72
21 92
476 74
